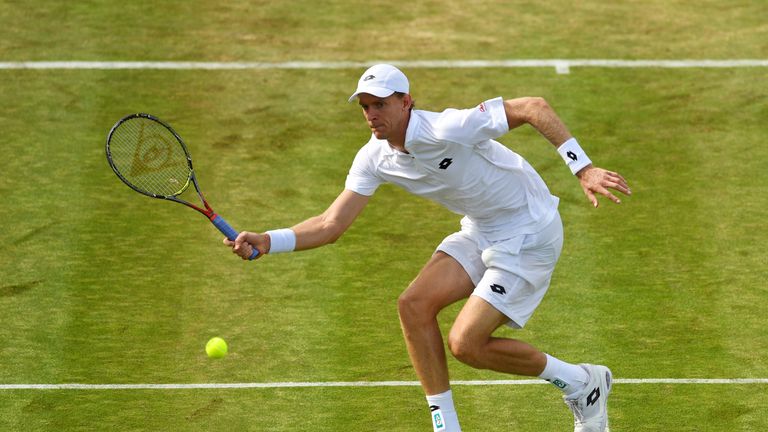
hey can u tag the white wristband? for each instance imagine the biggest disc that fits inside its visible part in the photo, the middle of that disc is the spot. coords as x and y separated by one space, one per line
282 240
573 155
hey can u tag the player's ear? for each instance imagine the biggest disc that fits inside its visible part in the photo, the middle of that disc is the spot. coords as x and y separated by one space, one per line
407 102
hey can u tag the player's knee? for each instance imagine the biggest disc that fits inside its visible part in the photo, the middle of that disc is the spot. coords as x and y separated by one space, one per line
414 307
465 348
408 306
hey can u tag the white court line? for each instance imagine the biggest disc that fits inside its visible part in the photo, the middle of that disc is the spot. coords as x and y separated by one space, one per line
271 385
562 66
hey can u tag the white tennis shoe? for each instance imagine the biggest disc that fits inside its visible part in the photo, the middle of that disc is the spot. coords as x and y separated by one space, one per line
590 406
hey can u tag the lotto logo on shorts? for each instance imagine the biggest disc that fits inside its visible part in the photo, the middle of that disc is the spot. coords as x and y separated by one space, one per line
481 107
498 289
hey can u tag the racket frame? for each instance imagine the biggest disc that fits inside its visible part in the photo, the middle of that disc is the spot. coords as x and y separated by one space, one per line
215 219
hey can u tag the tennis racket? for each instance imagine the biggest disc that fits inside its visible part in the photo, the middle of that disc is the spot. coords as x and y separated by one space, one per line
151 158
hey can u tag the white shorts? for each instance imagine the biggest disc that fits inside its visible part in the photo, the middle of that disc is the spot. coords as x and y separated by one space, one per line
512 275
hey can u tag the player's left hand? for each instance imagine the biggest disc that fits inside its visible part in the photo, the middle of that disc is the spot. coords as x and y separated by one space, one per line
597 180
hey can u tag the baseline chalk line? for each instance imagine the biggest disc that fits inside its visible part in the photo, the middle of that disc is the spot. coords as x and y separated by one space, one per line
561 66
272 385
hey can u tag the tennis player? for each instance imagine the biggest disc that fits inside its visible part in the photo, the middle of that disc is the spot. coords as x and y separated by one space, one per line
503 257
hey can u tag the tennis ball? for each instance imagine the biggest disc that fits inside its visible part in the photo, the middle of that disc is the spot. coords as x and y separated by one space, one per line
216 348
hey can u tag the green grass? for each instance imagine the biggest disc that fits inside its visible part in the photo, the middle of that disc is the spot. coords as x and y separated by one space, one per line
101 285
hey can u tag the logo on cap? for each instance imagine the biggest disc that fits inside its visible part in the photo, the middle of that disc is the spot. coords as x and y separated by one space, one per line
369 77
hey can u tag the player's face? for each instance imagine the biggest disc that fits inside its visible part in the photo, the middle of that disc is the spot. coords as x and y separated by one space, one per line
387 116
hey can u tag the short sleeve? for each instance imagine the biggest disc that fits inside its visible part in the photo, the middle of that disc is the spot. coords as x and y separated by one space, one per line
362 177
474 125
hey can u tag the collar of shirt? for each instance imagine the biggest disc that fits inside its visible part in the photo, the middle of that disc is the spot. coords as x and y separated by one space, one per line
410 131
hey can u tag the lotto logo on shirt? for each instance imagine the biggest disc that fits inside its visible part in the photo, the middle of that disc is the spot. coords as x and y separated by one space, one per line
481 107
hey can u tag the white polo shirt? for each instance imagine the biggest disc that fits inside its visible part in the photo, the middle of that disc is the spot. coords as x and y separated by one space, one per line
453 160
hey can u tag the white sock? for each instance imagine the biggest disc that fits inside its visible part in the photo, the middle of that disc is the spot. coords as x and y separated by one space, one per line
567 377
444 417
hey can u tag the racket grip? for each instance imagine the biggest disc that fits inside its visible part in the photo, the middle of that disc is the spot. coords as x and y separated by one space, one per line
230 232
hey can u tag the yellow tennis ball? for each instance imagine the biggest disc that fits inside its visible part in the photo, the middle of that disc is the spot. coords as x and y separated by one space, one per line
216 348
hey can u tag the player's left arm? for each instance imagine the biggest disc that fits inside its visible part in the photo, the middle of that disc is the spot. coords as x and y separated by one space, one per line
536 112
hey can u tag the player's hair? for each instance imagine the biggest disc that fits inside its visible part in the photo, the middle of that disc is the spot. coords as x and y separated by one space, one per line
402 95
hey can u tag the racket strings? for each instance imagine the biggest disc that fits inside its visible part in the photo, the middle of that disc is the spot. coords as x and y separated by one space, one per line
148 156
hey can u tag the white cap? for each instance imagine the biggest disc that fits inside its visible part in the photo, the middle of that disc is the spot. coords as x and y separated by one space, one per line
381 80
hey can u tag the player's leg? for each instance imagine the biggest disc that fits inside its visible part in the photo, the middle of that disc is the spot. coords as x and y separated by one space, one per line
470 341
585 387
441 282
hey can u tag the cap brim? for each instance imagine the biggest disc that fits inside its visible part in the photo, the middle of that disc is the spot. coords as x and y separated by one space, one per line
376 91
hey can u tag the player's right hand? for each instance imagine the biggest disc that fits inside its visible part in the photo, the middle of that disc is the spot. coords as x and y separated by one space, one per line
247 241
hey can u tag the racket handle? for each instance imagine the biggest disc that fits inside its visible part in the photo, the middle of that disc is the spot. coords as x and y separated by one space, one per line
230 232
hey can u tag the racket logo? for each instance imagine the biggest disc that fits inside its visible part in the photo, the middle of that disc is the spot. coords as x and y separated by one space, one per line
154 156
155 153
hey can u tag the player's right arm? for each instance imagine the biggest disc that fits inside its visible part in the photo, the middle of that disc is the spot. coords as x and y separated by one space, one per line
314 232
327 227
